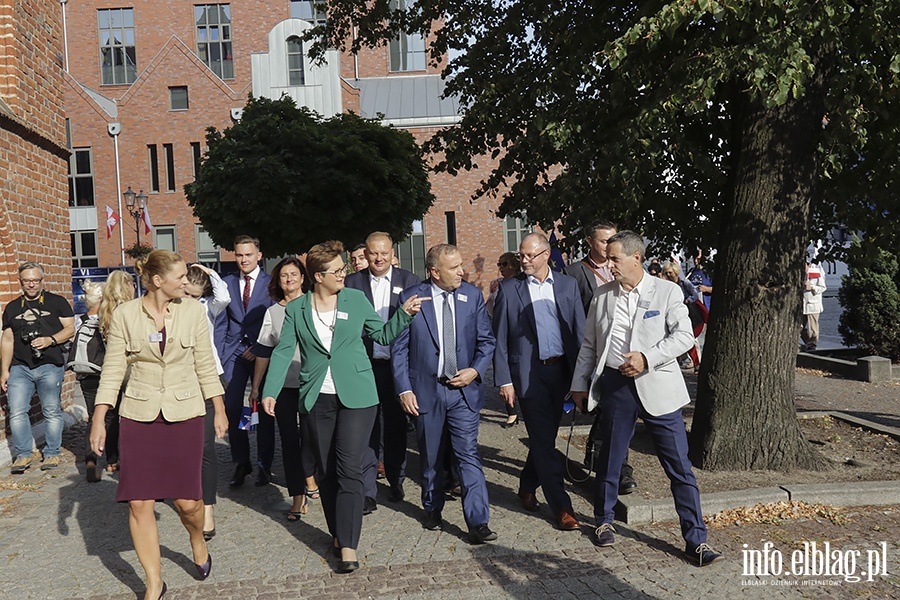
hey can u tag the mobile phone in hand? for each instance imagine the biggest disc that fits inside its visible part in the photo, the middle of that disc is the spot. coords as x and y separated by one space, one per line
568 403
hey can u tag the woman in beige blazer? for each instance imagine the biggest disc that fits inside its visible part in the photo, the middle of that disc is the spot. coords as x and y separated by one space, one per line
159 347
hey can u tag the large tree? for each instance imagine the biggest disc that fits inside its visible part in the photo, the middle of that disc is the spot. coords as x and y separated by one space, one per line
750 126
292 179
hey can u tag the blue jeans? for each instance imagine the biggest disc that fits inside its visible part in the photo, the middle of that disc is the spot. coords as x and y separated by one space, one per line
23 382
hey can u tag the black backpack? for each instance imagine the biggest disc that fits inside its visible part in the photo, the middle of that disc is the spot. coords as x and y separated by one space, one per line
88 348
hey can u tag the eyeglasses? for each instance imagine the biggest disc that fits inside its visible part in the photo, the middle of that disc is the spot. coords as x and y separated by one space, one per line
531 258
31 281
336 272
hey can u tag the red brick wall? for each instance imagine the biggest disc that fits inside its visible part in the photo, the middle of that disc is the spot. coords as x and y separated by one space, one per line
34 218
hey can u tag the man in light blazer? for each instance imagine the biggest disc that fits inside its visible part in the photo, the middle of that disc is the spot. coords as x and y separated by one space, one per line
382 284
439 363
539 322
636 329
237 328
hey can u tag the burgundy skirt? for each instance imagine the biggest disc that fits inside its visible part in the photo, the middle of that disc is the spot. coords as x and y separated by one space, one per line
160 459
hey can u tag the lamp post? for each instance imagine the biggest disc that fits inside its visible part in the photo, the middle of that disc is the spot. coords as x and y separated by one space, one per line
136 204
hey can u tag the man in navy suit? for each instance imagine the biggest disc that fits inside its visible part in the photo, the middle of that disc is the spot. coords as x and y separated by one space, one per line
539 322
439 362
382 284
237 328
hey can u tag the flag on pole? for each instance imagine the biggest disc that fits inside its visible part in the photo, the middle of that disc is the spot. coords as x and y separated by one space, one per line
112 218
556 258
148 226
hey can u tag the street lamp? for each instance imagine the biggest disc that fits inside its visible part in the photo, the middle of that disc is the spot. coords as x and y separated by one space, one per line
136 204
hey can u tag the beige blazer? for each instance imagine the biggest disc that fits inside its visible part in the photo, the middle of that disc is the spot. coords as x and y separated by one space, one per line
661 331
176 382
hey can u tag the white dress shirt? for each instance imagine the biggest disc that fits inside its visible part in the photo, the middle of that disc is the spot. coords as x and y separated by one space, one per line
437 300
381 299
623 323
242 281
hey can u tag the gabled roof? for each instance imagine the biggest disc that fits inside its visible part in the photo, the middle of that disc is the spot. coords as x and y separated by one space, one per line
107 105
407 101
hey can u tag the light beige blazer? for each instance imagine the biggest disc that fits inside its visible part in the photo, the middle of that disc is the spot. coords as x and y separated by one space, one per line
176 382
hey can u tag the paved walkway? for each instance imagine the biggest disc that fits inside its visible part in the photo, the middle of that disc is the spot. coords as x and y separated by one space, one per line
61 537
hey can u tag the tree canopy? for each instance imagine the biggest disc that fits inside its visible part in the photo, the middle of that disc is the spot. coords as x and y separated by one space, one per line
293 179
751 126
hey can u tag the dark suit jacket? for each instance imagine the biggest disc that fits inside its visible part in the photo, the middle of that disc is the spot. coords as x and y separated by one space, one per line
351 369
400 280
416 351
237 329
587 283
517 352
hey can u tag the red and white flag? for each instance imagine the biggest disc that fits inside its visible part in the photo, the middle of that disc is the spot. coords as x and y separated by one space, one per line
112 219
148 226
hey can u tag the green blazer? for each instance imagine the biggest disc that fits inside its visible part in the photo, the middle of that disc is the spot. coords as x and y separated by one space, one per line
350 365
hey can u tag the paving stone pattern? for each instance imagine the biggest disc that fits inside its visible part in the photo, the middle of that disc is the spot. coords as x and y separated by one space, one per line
64 538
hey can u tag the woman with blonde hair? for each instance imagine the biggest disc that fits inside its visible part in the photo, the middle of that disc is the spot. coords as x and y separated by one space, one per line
161 341
89 381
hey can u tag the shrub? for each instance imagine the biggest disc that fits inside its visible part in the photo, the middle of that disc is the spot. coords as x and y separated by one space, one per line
871 301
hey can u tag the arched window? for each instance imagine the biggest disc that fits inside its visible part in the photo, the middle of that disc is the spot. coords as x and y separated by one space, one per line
295 61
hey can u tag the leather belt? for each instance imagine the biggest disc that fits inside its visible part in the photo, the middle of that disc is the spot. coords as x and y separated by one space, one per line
552 360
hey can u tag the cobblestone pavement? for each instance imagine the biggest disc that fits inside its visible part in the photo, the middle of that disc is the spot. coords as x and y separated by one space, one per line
64 538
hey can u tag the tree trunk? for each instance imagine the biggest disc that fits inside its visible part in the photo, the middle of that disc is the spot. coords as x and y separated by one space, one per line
745 416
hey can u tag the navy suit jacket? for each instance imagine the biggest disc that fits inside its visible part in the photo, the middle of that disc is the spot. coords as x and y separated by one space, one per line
517 352
416 351
400 280
237 329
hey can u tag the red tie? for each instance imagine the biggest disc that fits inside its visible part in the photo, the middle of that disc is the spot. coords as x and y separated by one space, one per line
246 291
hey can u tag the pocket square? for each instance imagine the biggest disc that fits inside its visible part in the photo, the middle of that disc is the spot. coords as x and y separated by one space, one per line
651 313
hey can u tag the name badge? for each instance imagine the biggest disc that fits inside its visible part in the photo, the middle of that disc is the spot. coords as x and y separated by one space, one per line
462 297
156 337
397 290
342 316
645 304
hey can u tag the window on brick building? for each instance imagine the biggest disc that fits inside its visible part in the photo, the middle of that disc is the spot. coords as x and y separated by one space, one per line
84 249
153 157
411 251
450 218
118 58
196 154
515 229
81 178
308 10
165 237
296 75
207 251
407 51
178 97
213 23
169 151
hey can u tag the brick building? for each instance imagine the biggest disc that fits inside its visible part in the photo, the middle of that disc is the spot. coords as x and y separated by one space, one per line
145 78
33 156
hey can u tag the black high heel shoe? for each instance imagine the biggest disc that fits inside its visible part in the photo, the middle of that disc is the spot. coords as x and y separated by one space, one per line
163 592
205 569
510 424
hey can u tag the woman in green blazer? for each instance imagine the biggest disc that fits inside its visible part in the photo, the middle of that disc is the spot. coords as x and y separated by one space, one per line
337 386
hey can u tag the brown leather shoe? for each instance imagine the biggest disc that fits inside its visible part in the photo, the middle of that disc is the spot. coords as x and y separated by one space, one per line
566 521
529 501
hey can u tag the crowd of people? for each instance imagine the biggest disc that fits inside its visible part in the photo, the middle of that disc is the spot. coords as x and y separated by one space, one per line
342 363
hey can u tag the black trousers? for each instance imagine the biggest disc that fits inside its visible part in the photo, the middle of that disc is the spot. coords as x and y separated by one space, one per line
391 415
296 450
339 436
89 386
209 473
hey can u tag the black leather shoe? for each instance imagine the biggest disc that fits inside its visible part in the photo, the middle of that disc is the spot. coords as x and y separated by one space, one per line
205 569
702 555
481 534
397 493
240 473
627 484
369 505
347 566
433 521
263 477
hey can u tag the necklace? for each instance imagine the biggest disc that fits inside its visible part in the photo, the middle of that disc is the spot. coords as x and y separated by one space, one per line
321 320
